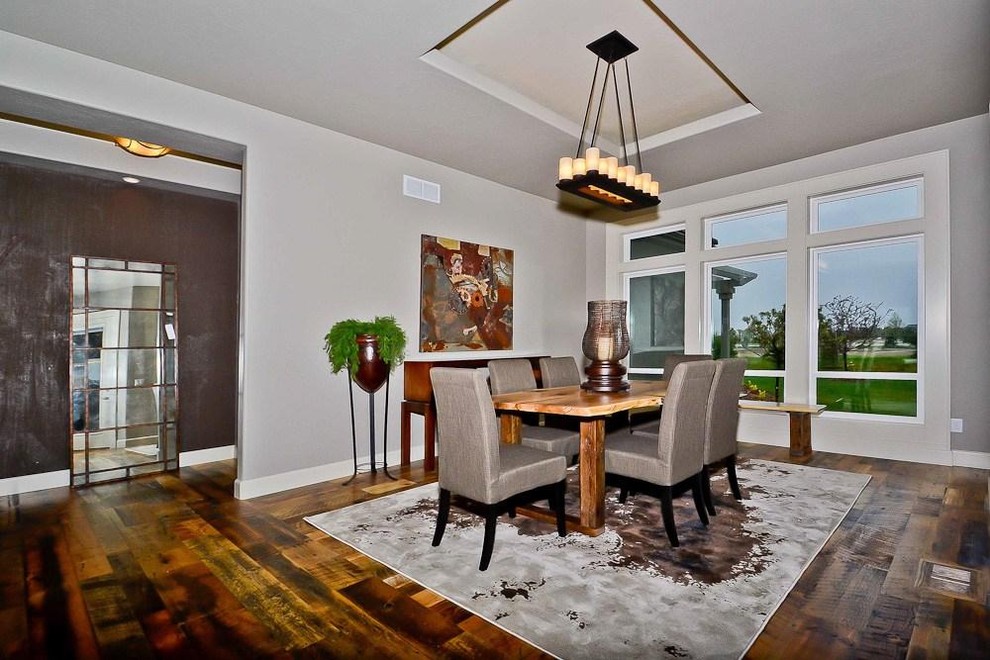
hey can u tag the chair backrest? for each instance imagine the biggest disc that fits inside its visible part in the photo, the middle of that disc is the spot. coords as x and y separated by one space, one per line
467 433
511 375
675 359
723 409
681 445
559 371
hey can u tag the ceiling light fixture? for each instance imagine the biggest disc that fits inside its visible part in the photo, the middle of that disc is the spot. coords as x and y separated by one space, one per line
130 179
602 178
141 148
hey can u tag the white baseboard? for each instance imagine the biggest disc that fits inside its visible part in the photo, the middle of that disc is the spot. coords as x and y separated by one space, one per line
60 478
973 459
32 482
245 489
187 458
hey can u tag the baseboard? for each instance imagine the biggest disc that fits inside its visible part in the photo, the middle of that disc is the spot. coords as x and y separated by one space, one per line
246 489
973 459
198 456
32 482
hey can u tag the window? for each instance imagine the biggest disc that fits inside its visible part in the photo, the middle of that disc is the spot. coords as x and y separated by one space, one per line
741 228
868 302
889 202
656 318
654 243
746 319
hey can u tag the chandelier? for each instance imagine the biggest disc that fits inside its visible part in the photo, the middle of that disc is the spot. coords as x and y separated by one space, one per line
599 177
141 148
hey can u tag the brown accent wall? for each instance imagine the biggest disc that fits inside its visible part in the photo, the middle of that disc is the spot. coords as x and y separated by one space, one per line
45 218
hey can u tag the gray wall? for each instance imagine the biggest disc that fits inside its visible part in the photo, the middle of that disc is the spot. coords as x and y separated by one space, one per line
968 144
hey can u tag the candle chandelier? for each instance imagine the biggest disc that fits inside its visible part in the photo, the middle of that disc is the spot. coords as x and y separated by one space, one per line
598 177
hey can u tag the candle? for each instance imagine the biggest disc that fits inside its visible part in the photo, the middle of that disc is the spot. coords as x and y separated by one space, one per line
655 188
603 348
580 169
591 158
613 166
565 169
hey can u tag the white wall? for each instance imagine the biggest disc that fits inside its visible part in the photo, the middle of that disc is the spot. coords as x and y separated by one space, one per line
327 235
968 144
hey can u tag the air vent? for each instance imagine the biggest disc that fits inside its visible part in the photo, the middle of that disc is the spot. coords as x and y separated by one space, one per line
425 190
954 581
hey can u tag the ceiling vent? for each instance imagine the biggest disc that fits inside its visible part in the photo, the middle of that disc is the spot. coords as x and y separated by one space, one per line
420 189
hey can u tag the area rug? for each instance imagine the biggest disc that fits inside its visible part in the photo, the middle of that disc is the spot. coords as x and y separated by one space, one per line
625 593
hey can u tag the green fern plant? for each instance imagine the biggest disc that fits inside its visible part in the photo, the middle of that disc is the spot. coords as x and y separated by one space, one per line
340 344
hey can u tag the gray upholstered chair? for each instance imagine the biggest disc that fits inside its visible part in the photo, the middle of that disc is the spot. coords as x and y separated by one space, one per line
559 371
516 375
476 466
655 464
669 364
723 424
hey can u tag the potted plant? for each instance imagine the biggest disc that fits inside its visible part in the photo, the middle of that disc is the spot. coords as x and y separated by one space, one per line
369 350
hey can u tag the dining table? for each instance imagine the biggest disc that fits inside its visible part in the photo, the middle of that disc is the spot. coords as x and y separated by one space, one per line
592 409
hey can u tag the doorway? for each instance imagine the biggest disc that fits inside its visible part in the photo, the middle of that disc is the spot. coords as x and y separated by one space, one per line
123 369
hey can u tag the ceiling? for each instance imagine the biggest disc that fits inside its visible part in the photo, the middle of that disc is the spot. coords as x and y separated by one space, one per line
511 88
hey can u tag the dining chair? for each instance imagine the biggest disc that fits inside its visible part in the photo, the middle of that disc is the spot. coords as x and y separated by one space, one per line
559 371
477 466
669 364
516 375
723 424
675 456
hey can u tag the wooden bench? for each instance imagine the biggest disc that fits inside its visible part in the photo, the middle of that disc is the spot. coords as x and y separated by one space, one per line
800 414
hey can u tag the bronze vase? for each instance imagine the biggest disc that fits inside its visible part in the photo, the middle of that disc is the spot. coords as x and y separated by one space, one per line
371 369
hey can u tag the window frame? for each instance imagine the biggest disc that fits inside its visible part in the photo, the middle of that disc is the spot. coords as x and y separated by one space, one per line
814 201
815 373
626 277
763 209
627 240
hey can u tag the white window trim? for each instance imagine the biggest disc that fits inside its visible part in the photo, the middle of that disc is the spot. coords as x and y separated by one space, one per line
625 296
627 240
706 304
740 215
860 191
887 438
815 374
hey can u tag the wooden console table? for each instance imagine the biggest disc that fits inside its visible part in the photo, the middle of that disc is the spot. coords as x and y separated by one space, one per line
417 398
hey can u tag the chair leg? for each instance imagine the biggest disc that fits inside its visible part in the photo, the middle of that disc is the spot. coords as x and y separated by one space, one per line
558 505
730 468
709 504
698 492
667 512
442 513
623 494
491 518
512 512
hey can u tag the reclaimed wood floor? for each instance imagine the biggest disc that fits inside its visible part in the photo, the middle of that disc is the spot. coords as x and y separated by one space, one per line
172 566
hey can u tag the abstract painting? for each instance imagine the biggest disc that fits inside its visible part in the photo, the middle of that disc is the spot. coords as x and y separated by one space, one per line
465 296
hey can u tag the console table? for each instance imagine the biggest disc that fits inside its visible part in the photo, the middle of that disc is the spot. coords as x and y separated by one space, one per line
417 398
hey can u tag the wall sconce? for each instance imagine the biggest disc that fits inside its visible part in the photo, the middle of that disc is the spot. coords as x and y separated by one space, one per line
605 343
140 148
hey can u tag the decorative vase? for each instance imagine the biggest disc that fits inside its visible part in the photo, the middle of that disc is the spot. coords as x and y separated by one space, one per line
605 343
371 369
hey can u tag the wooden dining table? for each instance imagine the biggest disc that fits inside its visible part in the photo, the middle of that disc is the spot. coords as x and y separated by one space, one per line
591 408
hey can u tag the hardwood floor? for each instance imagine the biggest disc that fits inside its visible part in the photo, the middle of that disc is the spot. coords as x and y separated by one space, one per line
172 566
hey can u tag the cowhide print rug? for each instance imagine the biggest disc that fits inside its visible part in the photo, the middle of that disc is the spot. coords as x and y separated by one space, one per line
625 593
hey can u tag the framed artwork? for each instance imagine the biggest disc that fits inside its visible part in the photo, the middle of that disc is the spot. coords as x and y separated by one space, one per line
465 296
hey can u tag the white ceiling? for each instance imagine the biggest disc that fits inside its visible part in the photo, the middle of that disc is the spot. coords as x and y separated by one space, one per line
823 74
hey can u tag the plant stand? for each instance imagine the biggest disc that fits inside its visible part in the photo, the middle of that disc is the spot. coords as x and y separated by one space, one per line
373 465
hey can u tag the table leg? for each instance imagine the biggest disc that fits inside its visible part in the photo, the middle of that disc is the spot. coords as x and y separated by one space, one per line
510 428
592 473
404 435
429 439
800 435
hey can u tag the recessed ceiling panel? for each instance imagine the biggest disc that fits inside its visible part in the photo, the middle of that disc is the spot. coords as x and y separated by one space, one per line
533 53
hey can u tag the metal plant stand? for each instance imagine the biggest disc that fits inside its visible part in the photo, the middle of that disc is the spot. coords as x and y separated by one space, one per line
373 464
